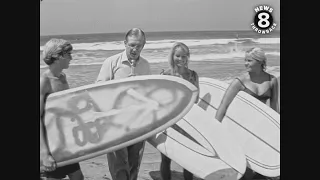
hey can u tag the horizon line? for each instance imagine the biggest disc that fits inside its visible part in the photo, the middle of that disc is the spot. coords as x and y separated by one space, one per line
43 35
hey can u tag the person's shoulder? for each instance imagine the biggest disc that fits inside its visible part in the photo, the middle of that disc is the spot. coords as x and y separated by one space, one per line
113 58
240 80
243 77
194 73
273 79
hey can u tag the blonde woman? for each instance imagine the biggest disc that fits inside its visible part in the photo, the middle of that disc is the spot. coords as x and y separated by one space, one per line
178 66
256 82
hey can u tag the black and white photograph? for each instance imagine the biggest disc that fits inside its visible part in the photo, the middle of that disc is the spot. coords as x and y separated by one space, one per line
159 90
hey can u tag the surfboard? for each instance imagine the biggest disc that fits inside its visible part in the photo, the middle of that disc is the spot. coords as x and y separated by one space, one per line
253 124
278 79
203 146
92 120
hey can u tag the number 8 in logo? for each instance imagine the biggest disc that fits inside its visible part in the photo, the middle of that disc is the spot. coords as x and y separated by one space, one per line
263 20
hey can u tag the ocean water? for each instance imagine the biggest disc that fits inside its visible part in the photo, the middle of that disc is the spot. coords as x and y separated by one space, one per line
215 54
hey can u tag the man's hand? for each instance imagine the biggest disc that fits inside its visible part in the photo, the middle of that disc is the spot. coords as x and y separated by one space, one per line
48 162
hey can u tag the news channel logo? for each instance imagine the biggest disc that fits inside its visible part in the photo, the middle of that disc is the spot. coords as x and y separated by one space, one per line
263 22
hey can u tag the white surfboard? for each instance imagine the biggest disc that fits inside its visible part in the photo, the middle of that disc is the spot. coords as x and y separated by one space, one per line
278 78
202 146
92 120
254 125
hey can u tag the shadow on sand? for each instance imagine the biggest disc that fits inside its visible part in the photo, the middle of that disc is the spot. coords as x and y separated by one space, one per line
175 175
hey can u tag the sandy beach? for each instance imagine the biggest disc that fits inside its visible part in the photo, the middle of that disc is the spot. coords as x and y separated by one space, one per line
97 168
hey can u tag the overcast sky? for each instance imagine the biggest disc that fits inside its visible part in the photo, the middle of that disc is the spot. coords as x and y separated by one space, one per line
104 16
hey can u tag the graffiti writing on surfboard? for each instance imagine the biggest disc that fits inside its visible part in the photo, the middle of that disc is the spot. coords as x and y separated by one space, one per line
142 105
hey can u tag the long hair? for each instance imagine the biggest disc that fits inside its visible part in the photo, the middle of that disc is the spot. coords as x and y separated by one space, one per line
173 50
259 55
55 48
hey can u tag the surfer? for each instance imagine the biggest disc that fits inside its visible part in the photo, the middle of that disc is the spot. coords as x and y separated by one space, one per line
57 55
256 82
124 163
236 44
178 66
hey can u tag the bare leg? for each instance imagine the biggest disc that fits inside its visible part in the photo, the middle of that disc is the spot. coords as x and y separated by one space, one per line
165 167
187 175
77 175
248 175
118 164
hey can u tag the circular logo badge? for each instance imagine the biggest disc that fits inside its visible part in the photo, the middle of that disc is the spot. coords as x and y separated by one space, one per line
263 20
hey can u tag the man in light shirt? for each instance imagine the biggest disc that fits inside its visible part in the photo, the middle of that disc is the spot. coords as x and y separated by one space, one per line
124 163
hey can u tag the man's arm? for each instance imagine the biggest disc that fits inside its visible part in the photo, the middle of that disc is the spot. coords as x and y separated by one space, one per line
45 155
105 73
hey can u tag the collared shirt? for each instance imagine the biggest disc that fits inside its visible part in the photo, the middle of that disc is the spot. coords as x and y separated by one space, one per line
118 66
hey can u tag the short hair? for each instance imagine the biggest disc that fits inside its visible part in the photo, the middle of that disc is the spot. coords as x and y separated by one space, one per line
173 50
135 32
55 48
257 54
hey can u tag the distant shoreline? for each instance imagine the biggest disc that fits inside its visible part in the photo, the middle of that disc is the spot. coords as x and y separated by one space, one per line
147 32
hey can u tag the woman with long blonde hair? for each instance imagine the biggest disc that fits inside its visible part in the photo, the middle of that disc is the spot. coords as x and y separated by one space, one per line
178 66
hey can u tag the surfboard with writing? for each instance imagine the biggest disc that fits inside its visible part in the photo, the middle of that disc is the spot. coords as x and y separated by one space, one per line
92 120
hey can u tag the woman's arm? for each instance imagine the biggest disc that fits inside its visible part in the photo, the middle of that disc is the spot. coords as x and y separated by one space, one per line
274 97
196 83
228 97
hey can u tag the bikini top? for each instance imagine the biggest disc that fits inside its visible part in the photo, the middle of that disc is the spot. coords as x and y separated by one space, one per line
265 96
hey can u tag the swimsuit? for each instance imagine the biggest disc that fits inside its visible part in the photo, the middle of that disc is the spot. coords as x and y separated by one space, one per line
265 96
